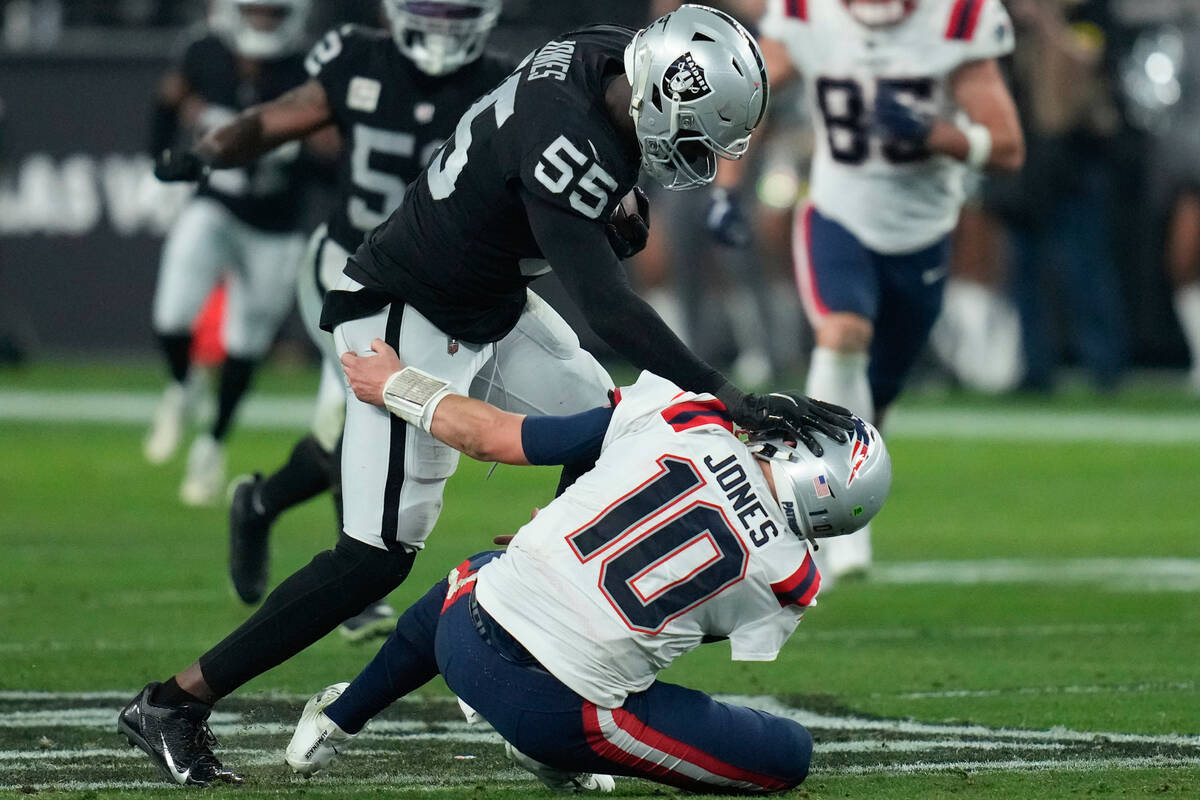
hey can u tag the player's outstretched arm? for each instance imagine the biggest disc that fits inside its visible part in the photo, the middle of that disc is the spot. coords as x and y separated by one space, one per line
470 426
993 139
253 133
260 129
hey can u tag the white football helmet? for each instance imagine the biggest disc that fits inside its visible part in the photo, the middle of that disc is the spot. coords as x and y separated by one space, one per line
441 36
268 28
834 494
880 13
699 89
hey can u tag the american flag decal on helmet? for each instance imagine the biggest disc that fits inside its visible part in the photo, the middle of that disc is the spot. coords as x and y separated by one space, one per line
861 451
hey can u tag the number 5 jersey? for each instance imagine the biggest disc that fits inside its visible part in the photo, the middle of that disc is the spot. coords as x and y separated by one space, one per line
894 199
392 118
673 539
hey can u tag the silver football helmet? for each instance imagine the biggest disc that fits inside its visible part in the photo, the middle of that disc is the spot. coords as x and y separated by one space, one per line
834 494
699 89
268 28
880 13
441 36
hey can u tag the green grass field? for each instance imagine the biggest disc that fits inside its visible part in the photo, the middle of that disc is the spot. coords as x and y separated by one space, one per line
1031 628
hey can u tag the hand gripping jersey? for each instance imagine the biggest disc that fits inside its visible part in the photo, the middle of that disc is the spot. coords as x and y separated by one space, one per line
392 117
459 249
894 199
673 538
266 194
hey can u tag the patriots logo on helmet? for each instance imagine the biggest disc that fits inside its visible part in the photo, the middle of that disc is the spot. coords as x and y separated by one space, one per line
685 79
861 451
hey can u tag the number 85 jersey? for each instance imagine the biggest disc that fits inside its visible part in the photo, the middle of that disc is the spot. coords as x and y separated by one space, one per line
894 199
671 540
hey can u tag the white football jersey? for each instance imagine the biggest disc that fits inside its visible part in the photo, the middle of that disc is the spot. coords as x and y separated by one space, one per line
893 199
673 537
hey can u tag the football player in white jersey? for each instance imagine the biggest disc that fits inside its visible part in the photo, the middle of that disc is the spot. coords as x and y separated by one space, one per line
906 97
681 534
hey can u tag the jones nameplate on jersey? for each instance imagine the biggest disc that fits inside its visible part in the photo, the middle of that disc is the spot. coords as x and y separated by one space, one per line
363 94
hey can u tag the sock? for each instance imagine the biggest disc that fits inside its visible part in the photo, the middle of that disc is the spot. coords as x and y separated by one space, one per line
235 380
168 693
1187 308
305 475
334 586
841 378
404 663
177 348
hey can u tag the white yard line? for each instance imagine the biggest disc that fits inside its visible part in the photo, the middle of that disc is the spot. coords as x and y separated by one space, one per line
1026 425
1136 688
1057 734
1139 574
1019 765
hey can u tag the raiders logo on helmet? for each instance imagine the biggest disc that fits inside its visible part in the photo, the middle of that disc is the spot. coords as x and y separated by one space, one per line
685 79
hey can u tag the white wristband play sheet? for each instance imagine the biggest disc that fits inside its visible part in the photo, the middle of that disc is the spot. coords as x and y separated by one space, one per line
413 395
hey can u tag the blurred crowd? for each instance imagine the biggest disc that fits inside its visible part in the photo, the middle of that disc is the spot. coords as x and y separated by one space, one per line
1080 259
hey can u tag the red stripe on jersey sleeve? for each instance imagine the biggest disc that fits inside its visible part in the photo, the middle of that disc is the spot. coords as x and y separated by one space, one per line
964 19
797 9
684 416
801 586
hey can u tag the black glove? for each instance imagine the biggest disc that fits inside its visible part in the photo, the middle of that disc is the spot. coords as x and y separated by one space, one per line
787 411
628 232
725 220
179 165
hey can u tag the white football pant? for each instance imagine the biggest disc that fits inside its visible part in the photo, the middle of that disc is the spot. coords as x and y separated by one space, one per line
208 242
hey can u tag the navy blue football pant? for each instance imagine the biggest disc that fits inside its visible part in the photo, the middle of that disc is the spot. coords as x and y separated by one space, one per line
900 294
666 733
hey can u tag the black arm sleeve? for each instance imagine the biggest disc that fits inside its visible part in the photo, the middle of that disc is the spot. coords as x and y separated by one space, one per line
579 252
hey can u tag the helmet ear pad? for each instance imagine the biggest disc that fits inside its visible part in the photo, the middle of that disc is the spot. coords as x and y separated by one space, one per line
831 495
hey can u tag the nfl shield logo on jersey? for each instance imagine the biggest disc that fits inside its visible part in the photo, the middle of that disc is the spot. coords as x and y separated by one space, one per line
685 79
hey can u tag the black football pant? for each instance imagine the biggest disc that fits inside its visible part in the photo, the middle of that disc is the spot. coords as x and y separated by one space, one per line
336 585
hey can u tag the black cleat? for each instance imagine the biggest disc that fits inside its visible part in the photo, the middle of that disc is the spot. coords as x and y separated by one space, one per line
248 532
177 739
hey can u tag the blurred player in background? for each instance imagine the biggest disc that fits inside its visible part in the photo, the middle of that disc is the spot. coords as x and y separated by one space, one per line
395 97
533 175
242 224
906 96
681 534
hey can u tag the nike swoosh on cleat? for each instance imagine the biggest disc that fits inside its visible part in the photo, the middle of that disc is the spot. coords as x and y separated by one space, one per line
180 777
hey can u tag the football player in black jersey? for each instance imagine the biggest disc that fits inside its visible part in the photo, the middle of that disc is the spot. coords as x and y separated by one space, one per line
395 98
242 225
532 175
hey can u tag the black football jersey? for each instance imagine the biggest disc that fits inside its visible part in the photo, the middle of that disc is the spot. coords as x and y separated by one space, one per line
459 249
266 194
392 118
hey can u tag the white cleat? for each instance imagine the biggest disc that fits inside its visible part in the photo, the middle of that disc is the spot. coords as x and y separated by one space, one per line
558 780
316 740
204 481
166 429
